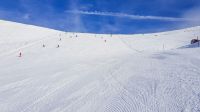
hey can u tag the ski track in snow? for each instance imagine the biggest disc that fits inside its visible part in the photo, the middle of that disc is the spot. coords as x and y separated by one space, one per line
98 73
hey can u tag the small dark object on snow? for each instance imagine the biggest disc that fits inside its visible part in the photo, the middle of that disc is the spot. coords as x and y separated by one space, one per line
58 46
194 41
43 45
20 54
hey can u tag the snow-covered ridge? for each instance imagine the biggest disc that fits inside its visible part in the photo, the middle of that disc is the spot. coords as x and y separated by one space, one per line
16 35
97 72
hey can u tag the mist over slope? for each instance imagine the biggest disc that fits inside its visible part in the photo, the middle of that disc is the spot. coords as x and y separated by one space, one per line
97 72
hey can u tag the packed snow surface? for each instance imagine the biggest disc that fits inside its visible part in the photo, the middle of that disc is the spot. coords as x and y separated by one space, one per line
157 72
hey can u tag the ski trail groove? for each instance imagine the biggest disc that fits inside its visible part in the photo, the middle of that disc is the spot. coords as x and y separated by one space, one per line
47 95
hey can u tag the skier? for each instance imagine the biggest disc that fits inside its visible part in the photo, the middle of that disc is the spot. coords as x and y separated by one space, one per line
105 41
60 39
20 54
58 46
43 45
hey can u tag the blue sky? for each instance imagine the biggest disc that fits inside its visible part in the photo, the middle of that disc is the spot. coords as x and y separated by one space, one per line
104 16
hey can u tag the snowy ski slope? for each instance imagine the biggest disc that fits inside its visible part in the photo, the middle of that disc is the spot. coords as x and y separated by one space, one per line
157 72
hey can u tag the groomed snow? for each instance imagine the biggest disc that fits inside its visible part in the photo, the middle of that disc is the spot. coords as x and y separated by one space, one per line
157 72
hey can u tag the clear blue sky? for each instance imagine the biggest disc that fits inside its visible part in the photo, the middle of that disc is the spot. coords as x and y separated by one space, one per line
104 16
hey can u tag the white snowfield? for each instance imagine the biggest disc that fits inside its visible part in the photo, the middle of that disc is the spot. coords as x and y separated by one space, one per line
157 72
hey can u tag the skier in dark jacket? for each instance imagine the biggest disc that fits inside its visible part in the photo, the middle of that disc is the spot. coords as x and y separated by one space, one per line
20 54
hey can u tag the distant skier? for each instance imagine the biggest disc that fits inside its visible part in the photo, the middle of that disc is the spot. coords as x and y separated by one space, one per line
105 41
43 45
58 46
20 54
60 39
